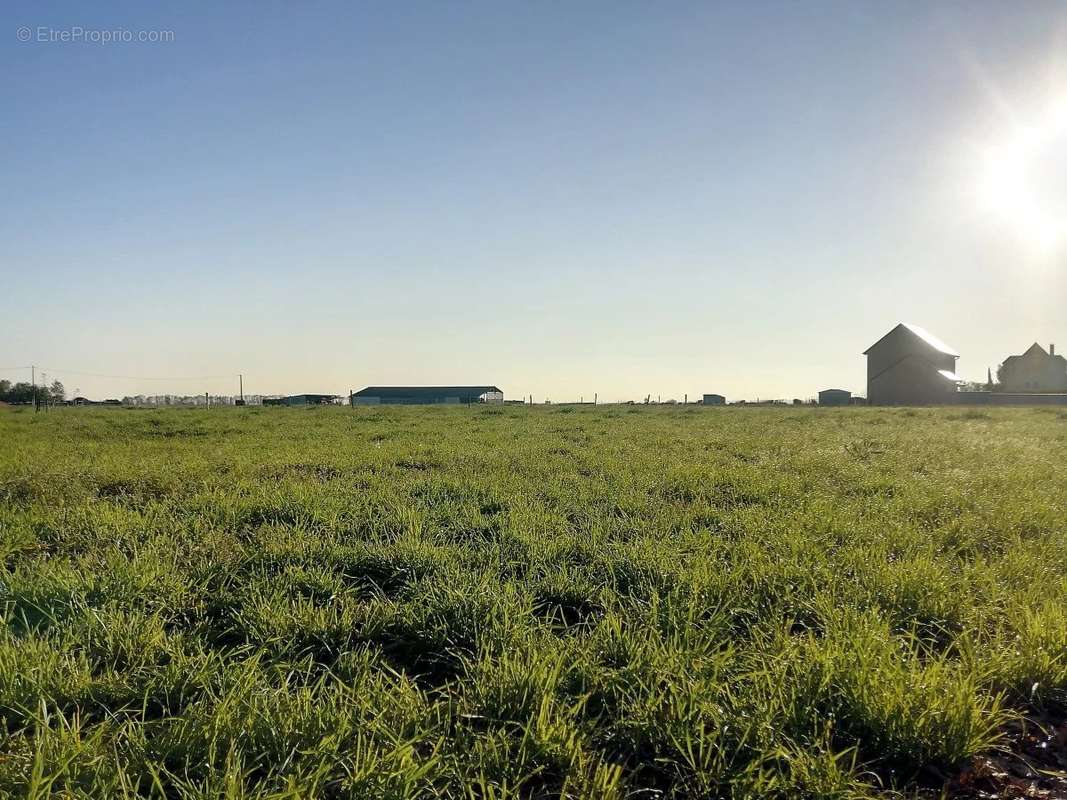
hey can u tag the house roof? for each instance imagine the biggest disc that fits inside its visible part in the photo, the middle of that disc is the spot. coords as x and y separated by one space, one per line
924 335
1035 350
949 375
425 391
834 391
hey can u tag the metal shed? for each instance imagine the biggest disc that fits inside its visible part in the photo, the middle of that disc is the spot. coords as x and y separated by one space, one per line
835 397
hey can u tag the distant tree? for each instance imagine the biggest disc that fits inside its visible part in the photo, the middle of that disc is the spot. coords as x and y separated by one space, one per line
999 385
5 387
20 393
57 392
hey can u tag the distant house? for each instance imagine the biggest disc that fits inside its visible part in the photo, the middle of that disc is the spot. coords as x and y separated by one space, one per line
909 366
1036 370
426 395
301 400
714 400
835 397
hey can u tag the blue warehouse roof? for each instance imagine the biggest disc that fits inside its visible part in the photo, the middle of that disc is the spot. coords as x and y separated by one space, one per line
427 392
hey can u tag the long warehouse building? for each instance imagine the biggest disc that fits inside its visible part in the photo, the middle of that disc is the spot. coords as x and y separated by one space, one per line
426 395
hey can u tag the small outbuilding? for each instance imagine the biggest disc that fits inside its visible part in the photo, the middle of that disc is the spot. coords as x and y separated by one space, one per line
426 395
714 400
834 397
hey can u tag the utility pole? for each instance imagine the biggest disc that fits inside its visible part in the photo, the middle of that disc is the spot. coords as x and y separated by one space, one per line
241 380
33 383
594 398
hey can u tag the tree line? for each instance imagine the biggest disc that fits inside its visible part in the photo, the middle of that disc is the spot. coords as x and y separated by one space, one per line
23 392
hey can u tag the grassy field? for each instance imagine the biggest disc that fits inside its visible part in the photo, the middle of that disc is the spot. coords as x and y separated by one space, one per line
524 602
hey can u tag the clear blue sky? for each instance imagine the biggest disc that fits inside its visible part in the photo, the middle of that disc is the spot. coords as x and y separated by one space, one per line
559 198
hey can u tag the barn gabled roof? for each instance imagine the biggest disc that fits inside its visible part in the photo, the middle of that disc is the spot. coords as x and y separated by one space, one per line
924 335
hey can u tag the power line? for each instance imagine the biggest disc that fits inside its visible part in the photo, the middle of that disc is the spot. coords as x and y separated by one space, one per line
139 377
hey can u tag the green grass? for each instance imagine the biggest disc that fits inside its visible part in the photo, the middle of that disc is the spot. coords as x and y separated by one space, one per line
494 602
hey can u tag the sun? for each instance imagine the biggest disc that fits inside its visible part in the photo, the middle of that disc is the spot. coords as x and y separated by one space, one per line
1023 180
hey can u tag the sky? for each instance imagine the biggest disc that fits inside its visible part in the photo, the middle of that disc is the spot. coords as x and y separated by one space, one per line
561 199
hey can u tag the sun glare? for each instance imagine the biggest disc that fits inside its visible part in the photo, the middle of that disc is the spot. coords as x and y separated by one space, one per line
1023 180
